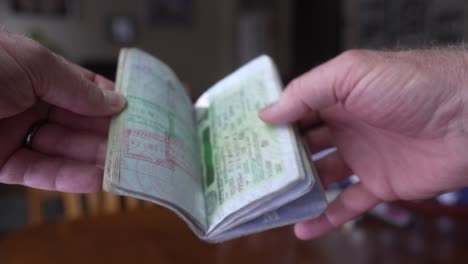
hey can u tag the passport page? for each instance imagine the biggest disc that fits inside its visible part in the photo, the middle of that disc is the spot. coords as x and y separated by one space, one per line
244 159
153 152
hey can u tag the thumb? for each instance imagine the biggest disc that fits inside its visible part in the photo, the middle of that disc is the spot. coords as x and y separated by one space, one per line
68 88
316 90
56 81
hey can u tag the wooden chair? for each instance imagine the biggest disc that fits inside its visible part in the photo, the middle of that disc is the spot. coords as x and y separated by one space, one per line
79 205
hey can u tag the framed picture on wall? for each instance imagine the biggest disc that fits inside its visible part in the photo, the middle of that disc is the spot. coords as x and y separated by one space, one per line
47 8
169 12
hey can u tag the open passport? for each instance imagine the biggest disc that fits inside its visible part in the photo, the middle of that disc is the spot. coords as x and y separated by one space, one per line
215 163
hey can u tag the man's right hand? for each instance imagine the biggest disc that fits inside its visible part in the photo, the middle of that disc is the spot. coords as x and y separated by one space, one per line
399 121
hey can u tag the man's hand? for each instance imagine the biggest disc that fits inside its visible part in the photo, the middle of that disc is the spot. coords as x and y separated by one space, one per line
67 152
398 120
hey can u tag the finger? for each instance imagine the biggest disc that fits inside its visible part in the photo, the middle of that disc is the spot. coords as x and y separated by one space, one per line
99 125
332 169
354 201
100 81
318 89
77 93
38 170
305 95
319 138
77 145
14 130
55 81
310 121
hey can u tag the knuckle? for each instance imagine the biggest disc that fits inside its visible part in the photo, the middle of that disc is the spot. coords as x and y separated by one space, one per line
294 89
355 56
36 51
381 190
352 66
297 89
294 86
92 93
38 64
297 95
361 60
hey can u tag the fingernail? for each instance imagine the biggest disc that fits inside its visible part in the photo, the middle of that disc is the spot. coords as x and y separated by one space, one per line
115 101
267 109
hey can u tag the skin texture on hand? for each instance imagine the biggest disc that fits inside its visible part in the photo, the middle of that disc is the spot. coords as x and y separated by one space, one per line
68 151
398 119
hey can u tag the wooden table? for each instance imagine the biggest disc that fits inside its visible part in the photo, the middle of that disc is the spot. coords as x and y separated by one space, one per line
157 236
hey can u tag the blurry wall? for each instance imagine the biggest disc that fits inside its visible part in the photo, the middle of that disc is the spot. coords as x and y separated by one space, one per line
197 51
317 31
200 52
404 23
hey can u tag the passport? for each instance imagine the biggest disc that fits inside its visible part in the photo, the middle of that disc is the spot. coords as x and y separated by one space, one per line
215 163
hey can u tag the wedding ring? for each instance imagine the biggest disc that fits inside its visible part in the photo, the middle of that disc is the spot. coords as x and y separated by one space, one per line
28 140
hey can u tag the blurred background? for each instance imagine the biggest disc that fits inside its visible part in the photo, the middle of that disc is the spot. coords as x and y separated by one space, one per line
204 40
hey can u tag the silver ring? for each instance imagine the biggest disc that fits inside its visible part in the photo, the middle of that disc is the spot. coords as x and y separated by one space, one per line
28 140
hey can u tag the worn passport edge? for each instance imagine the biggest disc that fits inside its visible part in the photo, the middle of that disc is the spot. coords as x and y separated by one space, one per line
114 145
316 196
